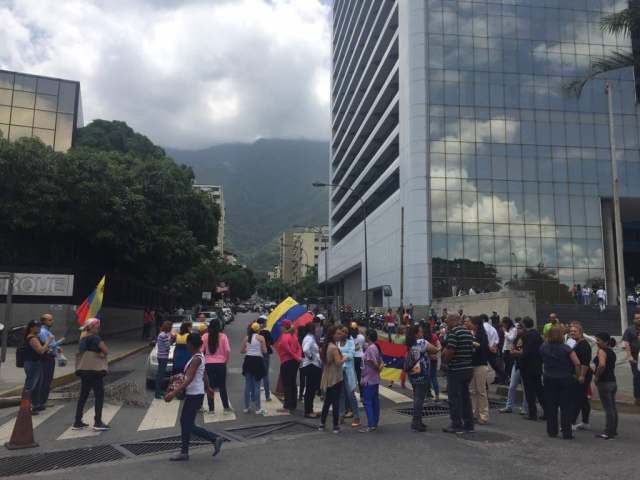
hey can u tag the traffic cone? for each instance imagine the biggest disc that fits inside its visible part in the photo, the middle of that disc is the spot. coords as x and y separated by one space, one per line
22 436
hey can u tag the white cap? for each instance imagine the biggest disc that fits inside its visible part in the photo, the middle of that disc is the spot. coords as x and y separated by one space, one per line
320 316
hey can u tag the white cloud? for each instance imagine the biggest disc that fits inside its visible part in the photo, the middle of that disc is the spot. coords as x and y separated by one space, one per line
186 73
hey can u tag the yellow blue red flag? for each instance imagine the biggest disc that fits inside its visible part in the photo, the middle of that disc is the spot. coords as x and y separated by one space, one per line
91 306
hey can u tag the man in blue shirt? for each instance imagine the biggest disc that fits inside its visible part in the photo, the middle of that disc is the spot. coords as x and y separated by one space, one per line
48 362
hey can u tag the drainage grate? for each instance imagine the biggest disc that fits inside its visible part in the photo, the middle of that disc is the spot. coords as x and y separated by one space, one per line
41 462
438 409
166 444
271 429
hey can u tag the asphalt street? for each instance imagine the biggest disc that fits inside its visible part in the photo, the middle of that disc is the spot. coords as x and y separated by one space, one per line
283 445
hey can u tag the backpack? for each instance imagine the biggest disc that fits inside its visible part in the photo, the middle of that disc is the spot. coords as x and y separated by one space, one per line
416 369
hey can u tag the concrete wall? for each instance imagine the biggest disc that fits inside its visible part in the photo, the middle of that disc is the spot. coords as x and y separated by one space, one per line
114 320
506 303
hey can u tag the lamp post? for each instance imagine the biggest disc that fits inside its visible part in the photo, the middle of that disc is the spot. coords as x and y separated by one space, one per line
364 223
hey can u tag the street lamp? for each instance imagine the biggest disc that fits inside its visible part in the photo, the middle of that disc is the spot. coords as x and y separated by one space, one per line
364 222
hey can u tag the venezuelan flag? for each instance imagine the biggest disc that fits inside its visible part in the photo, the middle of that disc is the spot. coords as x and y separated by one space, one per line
393 356
290 310
90 308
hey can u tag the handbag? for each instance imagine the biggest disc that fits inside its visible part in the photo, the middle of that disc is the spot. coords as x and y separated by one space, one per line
175 383
89 361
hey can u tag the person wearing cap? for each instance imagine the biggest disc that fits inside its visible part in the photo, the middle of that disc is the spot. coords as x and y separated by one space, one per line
605 380
290 354
91 368
254 347
266 334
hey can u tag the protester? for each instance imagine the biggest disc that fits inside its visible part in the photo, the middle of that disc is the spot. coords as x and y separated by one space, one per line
372 366
390 322
510 332
605 380
399 338
631 345
216 350
479 359
254 347
516 377
332 378
163 346
360 344
580 391
531 368
266 334
290 354
91 367
311 368
348 400
493 340
302 379
181 353
553 320
417 367
195 385
48 360
560 364
458 352
433 339
33 349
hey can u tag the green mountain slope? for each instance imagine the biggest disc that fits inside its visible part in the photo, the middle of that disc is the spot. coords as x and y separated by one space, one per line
267 189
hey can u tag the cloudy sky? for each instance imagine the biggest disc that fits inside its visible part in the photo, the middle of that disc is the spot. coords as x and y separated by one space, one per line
187 73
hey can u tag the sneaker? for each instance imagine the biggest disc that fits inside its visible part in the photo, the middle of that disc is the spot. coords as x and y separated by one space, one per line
367 430
348 415
262 412
101 427
179 457
506 410
583 426
604 436
335 431
79 426
267 399
217 446
356 423
227 411
321 428
246 410
452 429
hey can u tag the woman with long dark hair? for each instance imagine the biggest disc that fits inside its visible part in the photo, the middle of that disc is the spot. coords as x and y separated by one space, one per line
605 379
479 360
255 347
331 382
216 349
33 350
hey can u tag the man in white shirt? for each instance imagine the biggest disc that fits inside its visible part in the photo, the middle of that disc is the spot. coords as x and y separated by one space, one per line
494 341
601 295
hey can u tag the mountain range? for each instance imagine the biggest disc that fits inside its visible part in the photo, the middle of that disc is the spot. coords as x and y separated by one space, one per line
267 189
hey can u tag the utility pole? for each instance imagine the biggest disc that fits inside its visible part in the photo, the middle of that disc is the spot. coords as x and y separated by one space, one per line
8 309
622 290
402 257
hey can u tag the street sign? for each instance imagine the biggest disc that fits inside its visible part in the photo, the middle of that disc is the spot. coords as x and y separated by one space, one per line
206 295
39 284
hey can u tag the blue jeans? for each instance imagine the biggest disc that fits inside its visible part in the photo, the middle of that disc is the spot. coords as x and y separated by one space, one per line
251 391
190 407
265 379
162 368
516 380
33 372
433 378
372 404
348 401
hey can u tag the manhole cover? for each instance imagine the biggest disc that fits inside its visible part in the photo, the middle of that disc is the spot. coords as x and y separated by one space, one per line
271 430
428 410
41 462
486 437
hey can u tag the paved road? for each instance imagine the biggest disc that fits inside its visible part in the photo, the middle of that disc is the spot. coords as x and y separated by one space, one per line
508 446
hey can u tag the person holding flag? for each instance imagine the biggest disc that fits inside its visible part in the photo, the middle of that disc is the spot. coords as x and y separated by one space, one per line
91 306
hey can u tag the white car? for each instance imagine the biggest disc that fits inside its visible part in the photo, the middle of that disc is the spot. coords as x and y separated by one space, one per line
152 359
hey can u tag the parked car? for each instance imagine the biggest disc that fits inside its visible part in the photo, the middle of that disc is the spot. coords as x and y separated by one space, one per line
152 359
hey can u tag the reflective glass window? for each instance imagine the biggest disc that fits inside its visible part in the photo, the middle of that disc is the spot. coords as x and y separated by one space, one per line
471 248
23 99
577 210
486 250
6 80
64 132
454 206
47 136
22 116
454 247
24 82
46 102
67 97
438 245
16 132
4 131
44 119
48 86
562 209
438 205
469 207
502 251
6 96
5 114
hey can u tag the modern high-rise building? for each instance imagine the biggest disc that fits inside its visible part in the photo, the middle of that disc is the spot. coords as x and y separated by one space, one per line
300 251
43 107
216 194
451 122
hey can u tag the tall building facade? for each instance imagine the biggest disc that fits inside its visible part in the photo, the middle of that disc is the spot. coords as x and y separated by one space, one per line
452 123
35 106
300 252
216 194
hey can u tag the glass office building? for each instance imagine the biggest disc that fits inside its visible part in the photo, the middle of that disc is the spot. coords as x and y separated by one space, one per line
34 106
504 178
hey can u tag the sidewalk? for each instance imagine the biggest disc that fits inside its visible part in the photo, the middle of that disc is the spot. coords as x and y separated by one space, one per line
12 377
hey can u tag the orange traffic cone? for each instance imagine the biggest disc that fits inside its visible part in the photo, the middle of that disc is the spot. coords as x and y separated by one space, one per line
22 436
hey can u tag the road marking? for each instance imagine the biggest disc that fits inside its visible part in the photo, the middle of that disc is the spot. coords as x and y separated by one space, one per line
7 429
395 397
160 414
271 407
219 415
108 412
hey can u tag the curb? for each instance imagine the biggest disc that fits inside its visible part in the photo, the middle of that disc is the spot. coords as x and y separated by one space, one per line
7 397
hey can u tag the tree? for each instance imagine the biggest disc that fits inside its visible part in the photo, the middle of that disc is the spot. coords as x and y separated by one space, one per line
544 282
625 22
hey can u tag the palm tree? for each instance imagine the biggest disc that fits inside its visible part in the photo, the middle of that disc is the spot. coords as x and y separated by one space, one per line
625 22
